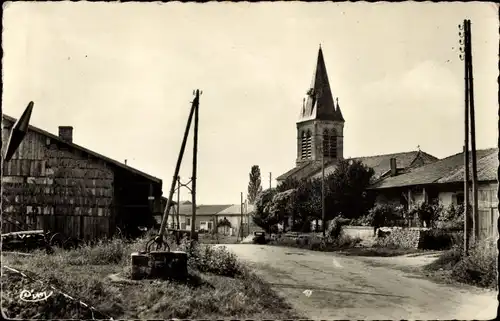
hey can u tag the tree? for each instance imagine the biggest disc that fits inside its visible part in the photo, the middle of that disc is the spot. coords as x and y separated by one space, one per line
263 216
254 186
346 190
282 206
288 184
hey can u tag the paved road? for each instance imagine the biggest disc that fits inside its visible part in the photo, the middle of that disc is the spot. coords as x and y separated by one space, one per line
352 288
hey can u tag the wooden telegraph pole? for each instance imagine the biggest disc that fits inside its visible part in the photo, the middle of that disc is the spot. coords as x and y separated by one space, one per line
241 218
475 211
467 219
195 163
471 232
323 225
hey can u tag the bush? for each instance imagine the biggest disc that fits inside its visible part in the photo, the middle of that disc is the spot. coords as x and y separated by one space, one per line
480 267
451 218
361 221
216 260
384 215
426 213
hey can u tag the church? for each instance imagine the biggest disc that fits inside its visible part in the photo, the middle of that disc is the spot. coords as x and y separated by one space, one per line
406 178
320 137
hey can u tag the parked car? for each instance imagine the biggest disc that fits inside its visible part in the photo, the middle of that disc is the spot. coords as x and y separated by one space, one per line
259 238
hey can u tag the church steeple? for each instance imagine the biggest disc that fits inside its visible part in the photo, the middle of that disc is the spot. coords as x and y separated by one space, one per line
319 102
338 112
320 128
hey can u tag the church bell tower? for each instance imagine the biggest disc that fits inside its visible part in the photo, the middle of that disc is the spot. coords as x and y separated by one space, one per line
320 127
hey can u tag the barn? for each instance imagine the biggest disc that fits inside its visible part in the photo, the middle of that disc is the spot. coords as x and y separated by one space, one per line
53 184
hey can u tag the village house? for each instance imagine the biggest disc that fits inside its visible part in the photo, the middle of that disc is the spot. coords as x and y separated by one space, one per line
53 184
443 181
207 217
320 136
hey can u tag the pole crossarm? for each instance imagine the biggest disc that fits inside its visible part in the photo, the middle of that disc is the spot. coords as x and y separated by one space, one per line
186 185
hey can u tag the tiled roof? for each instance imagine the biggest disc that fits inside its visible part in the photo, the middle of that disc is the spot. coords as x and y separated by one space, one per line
487 168
380 164
447 170
301 171
230 209
236 209
86 151
202 209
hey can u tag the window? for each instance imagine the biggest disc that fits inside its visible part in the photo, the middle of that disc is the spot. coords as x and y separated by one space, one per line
460 198
210 226
188 221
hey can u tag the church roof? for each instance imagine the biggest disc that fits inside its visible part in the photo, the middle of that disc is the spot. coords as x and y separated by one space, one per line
381 164
319 103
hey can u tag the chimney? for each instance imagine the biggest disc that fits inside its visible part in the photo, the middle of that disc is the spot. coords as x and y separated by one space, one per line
394 169
66 133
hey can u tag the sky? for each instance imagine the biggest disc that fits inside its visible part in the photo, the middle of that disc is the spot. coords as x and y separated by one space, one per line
123 75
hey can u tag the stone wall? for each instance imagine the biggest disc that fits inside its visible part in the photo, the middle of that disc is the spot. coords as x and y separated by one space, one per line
362 232
403 238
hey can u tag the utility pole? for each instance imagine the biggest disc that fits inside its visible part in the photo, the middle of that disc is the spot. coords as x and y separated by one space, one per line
159 238
467 221
469 121
195 163
248 216
475 211
323 190
178 199
270 175
241 219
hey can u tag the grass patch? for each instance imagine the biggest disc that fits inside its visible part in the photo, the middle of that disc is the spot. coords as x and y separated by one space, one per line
219 286
378 251
208 238
479 268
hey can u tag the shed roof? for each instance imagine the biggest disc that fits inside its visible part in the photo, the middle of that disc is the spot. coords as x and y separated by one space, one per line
447 170
87 151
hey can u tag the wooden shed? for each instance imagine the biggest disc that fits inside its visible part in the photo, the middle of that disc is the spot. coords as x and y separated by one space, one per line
53 184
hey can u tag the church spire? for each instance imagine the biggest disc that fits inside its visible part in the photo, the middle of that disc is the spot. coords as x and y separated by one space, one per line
338 112
319 101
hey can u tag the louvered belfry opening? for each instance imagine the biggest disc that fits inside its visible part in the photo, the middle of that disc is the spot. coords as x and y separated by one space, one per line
329 143
306 151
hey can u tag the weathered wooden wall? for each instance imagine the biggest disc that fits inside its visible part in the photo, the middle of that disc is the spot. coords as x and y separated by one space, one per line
488 210
49 185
